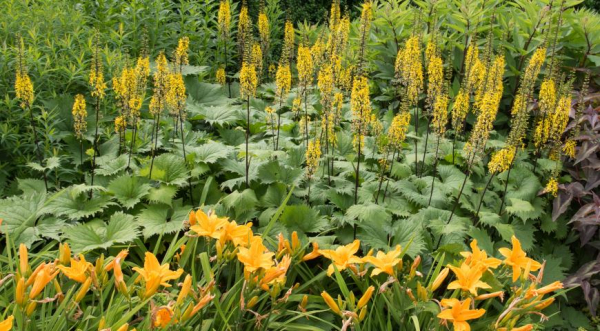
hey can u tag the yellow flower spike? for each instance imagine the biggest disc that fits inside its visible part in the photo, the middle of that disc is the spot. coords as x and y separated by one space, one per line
78 271
468 278
30 308
185 289
83 290
42 278
220 76
552 187
331 303
365 298
155 275
64 254
248 80
517 259
437 282
499 294
256 256
459 313
342 257
20 291
23 261
79 116
385 262
162 317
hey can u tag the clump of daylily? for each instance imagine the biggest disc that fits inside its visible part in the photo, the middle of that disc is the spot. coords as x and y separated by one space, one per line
478 288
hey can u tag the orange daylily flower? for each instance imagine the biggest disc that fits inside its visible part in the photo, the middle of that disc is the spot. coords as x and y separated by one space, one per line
549 288
385 262
459 313
517 259
276 273
312 255
208 225
479 256
78 270
239 235
7 324
44 275
343 257
155 274
256 256
162 317
117 260
467 278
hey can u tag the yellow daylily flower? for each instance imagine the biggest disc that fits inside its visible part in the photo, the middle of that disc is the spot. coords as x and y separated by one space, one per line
517 259
459 313
207 225
7 324
256 256
468 278
78 270
276 273
479 256
43 275
385 262
312 255
155 275
343 257
239 235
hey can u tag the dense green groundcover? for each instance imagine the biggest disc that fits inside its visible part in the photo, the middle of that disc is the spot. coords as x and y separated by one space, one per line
368 143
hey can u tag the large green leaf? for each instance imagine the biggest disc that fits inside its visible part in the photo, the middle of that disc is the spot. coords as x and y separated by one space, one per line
129 190
121 228
169 169
210 152
303 219
367 213
157 219
75 204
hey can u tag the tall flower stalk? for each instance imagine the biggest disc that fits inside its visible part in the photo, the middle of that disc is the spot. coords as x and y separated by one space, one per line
158 101
224 28
305 76
396 137
361 117
283 83
248 85
313 155
79 113
24 92
98 87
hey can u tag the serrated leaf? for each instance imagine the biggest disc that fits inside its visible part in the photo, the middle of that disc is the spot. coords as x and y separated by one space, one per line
367 213
519 206
169 169
108 166
210 152
85 237
31 186
163 194
75 205
129 190
303 219
241 202
160 220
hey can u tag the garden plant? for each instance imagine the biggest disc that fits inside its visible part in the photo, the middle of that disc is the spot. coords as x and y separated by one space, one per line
220 165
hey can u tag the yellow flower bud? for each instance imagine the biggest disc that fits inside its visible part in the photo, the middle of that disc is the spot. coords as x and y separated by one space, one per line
30 308
20 291
439 279
252 302
83 290
365 298
331 303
